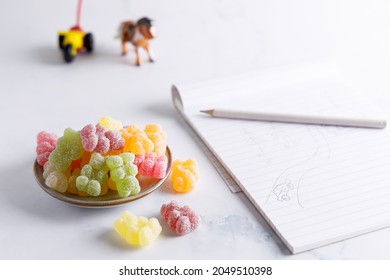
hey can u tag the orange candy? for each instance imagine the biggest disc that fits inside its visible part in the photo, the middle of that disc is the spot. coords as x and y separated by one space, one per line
136 141
184 175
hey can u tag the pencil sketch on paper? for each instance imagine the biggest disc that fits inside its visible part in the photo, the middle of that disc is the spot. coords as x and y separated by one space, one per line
281 190
286 187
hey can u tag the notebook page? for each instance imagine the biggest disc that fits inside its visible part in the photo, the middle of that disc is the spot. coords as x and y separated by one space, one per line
313 184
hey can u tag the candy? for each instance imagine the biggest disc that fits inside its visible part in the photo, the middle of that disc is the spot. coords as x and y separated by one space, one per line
182 220
55 179
184 175
116 140
68 148
136 140
151 165
137 230
98 139
94 176
46 143
158 137
122 174
110 123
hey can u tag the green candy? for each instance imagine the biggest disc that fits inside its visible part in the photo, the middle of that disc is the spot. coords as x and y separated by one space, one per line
68 148
123 172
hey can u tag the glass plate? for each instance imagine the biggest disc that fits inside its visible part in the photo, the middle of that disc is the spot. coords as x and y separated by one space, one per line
148 185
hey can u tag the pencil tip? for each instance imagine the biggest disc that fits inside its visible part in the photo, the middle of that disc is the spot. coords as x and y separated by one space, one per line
209 112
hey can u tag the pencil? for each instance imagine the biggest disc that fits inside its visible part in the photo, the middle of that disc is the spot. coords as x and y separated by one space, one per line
292 118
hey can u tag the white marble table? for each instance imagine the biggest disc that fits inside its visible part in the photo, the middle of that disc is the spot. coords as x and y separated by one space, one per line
196 40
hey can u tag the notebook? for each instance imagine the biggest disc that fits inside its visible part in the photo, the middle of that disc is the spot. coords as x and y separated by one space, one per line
313 184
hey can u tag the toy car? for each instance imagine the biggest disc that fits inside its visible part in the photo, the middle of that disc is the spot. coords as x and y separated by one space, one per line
75 40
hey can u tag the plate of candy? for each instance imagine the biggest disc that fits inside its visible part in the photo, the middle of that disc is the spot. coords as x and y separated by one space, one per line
102 165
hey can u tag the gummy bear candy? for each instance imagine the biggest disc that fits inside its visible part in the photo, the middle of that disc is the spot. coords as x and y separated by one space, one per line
137 230
72 188
122 173
68 148
94 176
136 140
158 137
184 175
182 220
151 165
46 143
110 123
98 139
55 179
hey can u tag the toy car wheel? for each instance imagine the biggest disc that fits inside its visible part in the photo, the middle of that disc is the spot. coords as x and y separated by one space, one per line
61 41
88 42
68 56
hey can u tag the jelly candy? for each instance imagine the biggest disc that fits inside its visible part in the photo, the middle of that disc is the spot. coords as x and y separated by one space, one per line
110 123
184 175
68 148
137 230
182 220
116 140
46 143
151 165
94 176
55 179
158 137
122 174
136 140
72 188
98 139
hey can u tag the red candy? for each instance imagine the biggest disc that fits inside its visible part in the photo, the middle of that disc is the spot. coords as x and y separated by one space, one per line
98 139
46 143
182 220
151 165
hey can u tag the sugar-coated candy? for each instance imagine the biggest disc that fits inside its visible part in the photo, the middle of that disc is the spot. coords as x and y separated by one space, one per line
136 140
46 143
122 174
72 188
55 179
116 140
184 175
182 219
110 123
151 165
94 176
138 231
68 148
99 139
158 137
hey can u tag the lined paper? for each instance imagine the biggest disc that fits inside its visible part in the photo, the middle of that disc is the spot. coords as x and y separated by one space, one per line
313 184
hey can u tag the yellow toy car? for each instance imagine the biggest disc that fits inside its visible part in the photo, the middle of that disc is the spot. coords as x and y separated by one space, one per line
73 41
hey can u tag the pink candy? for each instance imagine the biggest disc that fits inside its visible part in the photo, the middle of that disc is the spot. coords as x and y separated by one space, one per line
98 139
181 219
46 143
151 165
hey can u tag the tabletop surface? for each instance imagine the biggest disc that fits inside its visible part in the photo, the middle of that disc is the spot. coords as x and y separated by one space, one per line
196 40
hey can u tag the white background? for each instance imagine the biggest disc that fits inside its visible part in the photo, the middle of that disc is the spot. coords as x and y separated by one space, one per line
196 40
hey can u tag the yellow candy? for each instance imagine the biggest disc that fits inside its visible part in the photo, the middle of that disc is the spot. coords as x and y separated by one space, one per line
110 123
158 137
138 231
184 175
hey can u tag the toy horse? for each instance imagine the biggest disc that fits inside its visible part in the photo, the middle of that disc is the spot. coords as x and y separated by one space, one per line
137 33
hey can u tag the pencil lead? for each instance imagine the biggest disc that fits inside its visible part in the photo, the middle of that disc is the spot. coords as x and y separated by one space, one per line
209 112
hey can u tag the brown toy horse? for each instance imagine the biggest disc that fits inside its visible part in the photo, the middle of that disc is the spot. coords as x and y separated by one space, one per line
137 33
